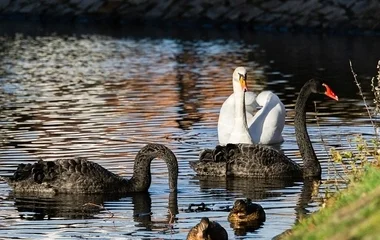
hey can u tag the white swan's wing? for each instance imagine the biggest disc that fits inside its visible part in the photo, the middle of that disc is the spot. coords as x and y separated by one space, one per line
227 115
267 124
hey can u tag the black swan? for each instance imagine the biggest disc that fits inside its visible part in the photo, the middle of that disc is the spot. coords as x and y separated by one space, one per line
255 160
81 176
207 229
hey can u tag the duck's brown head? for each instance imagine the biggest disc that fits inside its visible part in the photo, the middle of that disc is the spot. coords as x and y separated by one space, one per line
240 208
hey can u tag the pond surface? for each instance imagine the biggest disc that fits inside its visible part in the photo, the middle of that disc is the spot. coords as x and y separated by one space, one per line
104 93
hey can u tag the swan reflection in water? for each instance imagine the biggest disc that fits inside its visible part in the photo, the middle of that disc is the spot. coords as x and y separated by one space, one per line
71 206
87 206
255 189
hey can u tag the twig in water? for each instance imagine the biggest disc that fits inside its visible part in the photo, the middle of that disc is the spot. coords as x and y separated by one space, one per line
100 207
201 207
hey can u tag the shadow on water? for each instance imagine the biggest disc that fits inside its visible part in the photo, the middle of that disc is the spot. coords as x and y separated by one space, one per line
85 206
243 229
255 189
309 190
88 206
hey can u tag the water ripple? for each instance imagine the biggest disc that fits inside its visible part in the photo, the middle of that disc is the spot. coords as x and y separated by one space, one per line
104 98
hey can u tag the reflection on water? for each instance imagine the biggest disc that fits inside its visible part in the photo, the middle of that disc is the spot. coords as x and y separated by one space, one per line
254 189
103 96
81 206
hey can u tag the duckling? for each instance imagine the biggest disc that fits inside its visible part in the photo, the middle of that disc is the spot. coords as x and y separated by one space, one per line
246 211
207 230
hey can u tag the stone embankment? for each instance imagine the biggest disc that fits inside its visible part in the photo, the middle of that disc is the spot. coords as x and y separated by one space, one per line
278 14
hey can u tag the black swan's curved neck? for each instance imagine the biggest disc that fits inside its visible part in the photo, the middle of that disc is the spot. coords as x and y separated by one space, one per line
141 179
311 167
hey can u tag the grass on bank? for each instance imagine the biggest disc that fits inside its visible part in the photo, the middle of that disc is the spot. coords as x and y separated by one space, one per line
350 214
355 212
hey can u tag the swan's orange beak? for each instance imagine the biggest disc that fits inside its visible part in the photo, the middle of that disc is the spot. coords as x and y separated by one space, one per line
243 82
329 92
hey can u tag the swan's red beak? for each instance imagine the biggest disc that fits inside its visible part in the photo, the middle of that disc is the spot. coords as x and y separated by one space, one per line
243 83
329 92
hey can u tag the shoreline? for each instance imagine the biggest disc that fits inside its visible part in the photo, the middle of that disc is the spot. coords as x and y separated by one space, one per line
352 213
319 16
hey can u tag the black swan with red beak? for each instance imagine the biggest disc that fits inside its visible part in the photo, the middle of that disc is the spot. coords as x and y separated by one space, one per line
255 160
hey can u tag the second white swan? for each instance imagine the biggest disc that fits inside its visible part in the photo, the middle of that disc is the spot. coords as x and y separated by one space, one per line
265 126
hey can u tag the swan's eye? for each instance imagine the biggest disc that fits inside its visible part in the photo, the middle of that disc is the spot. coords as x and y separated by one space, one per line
243 76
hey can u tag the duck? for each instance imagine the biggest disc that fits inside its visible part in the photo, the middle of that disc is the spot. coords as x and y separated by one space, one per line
207 230
265 126
263 161
78 175
245 211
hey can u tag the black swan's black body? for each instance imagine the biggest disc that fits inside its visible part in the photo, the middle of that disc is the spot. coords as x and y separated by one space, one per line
255 160
81 176
234 160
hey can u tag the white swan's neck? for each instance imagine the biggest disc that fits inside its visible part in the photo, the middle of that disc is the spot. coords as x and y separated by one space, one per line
240 132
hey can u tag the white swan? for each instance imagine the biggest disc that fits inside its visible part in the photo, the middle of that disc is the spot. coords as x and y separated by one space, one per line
231 117
231 122
267 124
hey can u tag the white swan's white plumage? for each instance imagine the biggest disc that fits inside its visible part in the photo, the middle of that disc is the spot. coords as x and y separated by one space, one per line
232 123
264 127
227 118
267 124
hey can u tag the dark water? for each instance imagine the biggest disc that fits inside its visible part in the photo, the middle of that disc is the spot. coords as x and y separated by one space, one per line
104 93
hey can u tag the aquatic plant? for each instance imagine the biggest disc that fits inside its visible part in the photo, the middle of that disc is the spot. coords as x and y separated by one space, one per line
364 151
